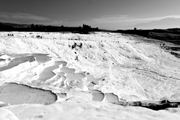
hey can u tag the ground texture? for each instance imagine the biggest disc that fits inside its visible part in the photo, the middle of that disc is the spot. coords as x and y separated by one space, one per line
95 76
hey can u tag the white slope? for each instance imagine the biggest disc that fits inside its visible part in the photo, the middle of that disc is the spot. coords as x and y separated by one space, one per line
73 65
7 115
78 109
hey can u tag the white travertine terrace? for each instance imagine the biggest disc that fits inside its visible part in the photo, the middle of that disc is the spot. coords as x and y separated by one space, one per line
108 68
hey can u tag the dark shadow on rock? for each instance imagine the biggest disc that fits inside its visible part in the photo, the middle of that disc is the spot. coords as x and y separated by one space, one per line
161 105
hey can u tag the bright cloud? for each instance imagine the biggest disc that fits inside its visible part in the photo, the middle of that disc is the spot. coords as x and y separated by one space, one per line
28 18
22 16
126 18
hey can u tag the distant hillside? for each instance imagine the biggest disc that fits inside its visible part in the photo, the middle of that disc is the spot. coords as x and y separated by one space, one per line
161 24
169 35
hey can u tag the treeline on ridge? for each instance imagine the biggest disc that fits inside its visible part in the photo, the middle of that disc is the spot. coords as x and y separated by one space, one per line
84 29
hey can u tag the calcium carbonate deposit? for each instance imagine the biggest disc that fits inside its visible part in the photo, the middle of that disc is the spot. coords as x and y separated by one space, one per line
97 76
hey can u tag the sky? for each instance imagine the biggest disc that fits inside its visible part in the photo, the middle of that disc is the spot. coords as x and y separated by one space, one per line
106 14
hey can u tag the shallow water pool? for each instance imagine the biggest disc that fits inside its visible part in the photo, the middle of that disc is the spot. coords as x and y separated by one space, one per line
13 93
